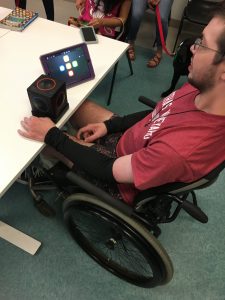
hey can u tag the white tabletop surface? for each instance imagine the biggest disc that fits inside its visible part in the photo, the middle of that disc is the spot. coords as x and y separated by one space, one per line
20 66
3 13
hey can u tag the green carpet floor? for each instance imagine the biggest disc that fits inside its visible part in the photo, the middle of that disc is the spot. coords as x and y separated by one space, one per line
61 270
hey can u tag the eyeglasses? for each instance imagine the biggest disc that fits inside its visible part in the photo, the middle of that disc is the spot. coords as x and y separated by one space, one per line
198 43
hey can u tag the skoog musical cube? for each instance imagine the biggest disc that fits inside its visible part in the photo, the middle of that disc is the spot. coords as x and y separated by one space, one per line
48 97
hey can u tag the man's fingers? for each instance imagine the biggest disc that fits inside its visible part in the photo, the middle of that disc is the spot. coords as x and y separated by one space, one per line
29 135
25 125
21 132
83 132
86 134
24 134
79 134
90 138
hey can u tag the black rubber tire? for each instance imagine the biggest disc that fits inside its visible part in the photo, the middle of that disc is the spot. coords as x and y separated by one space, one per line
103 232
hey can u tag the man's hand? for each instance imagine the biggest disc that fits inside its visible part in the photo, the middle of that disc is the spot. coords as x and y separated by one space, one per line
35 128
92 132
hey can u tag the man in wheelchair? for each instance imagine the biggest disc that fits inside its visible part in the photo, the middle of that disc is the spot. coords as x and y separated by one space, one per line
181 140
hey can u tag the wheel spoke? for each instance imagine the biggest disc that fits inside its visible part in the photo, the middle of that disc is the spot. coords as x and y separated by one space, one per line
133 261
115 244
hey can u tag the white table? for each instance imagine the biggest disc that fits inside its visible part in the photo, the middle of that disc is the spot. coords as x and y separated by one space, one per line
20 65
4 12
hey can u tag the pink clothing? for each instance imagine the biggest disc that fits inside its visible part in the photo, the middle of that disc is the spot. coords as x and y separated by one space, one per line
176 142
89 12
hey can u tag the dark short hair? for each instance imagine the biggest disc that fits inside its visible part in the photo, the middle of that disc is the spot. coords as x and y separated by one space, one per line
108 5
219 11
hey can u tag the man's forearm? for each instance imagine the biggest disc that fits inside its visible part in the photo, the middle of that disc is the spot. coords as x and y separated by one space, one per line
85 158
121 124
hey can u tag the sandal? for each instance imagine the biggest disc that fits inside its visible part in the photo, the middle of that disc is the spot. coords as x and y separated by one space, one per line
155 61
131 52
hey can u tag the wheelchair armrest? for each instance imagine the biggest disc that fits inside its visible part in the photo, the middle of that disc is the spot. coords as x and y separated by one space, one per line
98 192
147 101
194 211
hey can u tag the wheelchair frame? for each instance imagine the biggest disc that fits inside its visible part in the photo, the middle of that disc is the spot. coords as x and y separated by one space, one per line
121 238
138 224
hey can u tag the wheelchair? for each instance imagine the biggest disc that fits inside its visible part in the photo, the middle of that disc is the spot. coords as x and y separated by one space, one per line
121 238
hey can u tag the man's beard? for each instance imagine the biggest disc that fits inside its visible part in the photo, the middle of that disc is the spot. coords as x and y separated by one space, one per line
206 83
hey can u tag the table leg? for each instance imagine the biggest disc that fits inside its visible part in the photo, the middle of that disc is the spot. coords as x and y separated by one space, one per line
18 238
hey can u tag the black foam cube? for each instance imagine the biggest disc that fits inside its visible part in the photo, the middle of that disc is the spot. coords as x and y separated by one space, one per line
48 97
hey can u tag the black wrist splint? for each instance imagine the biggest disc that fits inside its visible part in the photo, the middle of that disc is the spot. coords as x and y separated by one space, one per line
121 124
86 158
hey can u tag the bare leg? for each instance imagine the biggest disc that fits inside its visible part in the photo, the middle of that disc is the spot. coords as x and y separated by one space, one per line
89 112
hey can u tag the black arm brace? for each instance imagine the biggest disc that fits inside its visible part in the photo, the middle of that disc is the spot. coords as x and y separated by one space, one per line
86 158
121 124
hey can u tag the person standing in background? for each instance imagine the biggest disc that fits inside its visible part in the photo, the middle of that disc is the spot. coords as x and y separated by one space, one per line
104 15
48 5
137 13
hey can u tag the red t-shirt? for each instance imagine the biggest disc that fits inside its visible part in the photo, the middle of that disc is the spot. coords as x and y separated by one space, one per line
175 143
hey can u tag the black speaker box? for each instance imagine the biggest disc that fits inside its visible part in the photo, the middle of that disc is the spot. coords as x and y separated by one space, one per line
48 97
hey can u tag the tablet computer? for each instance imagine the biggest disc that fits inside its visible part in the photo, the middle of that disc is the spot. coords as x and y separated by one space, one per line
72 64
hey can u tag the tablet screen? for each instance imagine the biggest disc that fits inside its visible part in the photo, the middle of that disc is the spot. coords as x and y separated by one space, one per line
71 65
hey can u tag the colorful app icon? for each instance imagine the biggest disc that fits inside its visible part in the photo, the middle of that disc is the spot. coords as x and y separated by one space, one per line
62 68
66 58
71 73
68 66
74 63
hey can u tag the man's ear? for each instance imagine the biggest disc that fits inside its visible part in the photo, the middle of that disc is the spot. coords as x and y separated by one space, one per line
223 76
223 71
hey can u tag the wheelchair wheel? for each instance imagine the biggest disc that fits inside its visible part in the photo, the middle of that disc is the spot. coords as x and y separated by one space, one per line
119 243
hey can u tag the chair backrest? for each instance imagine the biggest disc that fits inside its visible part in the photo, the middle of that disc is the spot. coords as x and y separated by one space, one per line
183 56
200 11
179 188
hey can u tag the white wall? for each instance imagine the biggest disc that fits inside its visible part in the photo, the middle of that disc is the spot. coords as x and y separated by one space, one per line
177 9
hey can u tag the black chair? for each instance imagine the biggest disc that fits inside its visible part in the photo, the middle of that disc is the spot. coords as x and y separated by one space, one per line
198 12
181 61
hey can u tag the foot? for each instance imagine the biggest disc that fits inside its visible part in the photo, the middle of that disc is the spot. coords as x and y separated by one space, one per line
154 61
131 52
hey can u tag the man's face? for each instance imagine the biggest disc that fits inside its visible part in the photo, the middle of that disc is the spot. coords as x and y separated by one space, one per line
203 74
